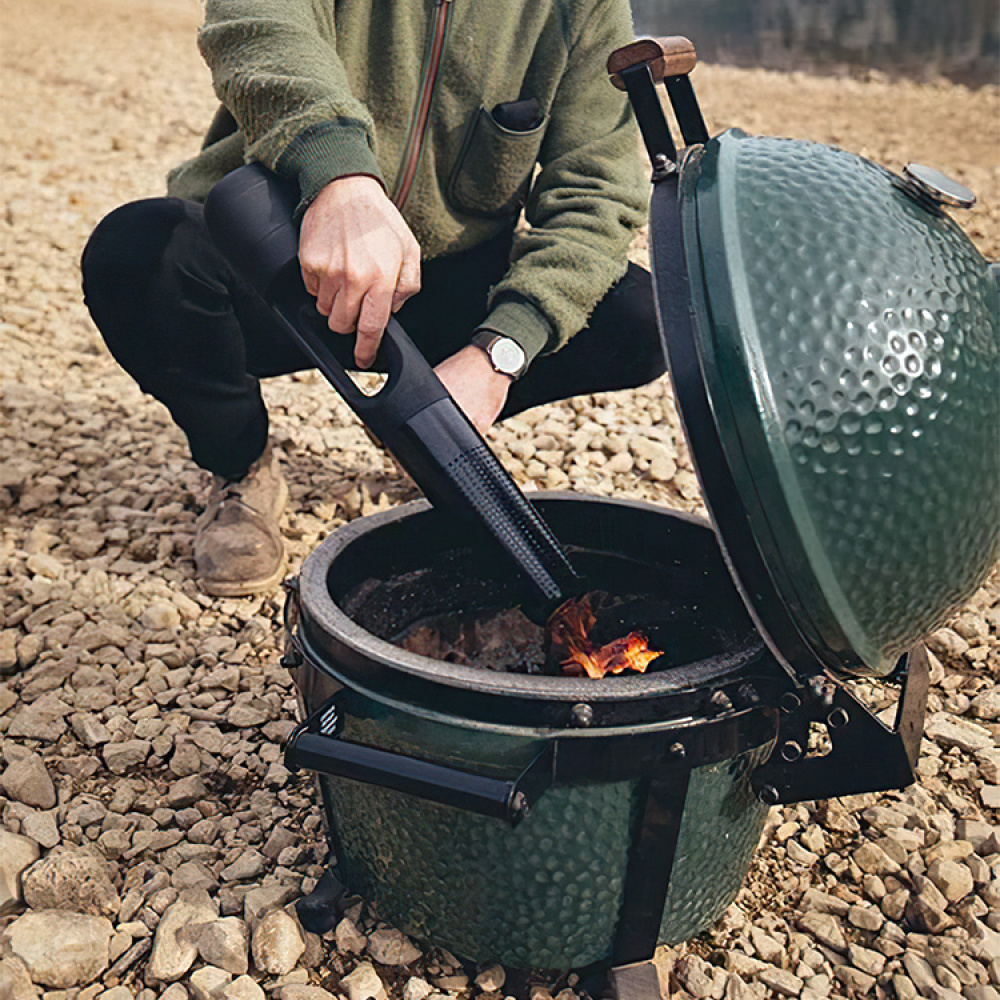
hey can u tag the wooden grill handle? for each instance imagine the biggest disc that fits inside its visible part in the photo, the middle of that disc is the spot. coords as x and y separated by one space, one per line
673 56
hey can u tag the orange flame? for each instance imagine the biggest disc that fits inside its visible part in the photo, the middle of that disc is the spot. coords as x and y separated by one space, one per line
570 629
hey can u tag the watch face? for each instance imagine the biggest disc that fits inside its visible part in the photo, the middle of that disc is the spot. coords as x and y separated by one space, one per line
507 356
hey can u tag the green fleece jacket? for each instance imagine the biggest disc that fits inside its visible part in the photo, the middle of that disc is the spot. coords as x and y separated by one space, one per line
321 89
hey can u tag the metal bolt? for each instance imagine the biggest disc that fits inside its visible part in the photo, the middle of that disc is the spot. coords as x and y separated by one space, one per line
769 795
748 694
838 718
791 751
663 166
790 702
583 715
519 805
720 702
822 690
677 750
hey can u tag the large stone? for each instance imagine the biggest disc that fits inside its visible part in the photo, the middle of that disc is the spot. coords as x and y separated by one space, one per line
364 984
781 982
60 949
224 943
77 879
208 982
491 979
277 943
122 757
243 988
825 928
419 989
392 947
303 991
173 950
951 731
248 865
15 983
27 781
16 854
350 941
262 900
186 792
952 878
160 615
925 916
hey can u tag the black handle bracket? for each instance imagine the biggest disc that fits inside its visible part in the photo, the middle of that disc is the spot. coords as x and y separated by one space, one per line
317 745
645 100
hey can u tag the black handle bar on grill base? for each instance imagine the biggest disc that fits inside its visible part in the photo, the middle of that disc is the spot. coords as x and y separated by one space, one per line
316 745
249 214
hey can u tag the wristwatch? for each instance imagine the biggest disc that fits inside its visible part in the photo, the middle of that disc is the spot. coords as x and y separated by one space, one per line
506 355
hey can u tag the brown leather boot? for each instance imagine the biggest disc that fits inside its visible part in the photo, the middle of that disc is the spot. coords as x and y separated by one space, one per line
238 548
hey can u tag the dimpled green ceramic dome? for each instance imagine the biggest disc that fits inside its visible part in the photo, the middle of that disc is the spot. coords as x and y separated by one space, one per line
848 332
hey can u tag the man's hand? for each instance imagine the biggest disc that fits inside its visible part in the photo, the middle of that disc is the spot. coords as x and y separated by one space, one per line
479 390
359 259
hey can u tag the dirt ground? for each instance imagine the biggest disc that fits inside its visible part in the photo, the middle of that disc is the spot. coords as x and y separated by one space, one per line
105 632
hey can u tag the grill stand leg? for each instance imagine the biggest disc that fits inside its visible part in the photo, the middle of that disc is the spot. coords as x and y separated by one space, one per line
650 864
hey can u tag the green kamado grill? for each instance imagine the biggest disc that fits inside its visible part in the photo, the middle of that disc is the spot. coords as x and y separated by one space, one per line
833 344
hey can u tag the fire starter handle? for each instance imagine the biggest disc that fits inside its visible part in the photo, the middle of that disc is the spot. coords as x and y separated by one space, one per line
666 57
249 215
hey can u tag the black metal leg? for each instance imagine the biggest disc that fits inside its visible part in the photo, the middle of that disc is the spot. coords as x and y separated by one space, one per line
321 910
650 864
638 981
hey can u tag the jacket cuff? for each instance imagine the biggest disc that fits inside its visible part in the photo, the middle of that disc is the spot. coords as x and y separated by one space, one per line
521 321
325 152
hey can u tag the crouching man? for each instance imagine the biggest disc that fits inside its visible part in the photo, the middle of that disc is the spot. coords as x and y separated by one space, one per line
417 133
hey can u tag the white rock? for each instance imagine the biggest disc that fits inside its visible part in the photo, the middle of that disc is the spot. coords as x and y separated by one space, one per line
248 865
116 993
489 980
60 949
953 879
173 951
950 731
277 943
41 826
160 615
225 943
16 854
15 983
27 781
391 947
243 988
208 982
77 879
364 984
122 757
419 989
350 941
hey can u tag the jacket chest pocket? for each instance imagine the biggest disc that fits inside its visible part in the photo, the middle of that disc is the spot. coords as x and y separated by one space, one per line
494 167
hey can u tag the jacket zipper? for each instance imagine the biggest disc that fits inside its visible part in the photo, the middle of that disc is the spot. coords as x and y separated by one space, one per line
418 130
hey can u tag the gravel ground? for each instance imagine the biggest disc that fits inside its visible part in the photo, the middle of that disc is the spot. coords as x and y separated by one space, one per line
151 839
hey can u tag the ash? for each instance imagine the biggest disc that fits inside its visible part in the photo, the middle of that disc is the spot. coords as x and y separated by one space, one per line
494 640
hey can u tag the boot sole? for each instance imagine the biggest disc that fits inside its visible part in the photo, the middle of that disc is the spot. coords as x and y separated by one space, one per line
245 588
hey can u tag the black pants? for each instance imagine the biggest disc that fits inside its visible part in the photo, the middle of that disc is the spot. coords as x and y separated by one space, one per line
197 337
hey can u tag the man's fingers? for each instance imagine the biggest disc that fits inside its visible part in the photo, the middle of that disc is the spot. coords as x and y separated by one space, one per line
409 278
328 290
346 307
375 312
311 281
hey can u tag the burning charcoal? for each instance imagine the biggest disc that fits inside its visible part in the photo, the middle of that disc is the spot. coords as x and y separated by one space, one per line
571 637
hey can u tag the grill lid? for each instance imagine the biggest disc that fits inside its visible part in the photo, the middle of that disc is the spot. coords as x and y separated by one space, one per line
834 343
